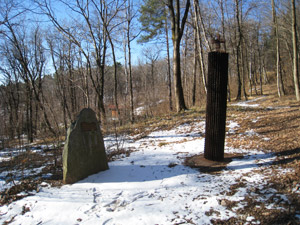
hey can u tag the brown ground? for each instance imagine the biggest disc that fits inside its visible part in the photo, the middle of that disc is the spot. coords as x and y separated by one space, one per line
209 166
277 125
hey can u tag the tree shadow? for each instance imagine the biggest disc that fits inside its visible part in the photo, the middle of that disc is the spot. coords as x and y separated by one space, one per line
289 156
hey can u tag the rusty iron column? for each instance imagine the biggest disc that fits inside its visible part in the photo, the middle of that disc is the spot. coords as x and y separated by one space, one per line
216 105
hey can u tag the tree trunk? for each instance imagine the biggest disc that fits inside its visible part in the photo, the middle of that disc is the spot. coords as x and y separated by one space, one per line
29 122
260 65
177 32
194 69
101 83
184 73
238 50
132 118
179 97
221 3
295 50
266 79
200 20
200 48
115 72
280 88
250 76
243 74
129 18
43 109
239 93
71 86
169 67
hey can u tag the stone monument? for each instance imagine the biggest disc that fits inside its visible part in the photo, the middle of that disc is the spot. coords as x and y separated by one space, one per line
84 151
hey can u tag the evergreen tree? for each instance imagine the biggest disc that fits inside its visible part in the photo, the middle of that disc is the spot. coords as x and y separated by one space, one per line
154 23
153 18
153 14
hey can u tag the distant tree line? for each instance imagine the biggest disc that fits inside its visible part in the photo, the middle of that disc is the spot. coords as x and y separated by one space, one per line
58 57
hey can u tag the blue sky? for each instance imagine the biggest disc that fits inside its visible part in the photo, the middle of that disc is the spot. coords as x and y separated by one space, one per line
63 13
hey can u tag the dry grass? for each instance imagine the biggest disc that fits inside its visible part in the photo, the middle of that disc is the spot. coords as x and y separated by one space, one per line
143 127
273 126
276 121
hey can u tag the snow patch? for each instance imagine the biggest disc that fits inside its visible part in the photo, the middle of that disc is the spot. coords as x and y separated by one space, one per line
144 189
232 127
247 103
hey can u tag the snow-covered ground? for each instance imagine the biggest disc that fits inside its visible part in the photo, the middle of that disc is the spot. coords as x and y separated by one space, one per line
151 186
248 103
9 178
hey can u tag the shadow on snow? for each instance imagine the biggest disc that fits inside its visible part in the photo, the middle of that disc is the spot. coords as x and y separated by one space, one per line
138 173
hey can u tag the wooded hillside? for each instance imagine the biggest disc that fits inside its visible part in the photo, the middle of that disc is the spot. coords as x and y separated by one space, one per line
116 58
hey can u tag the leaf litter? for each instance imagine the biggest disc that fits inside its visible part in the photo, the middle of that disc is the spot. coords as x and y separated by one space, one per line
151 182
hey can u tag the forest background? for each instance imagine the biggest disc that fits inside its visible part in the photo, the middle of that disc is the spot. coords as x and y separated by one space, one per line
129 59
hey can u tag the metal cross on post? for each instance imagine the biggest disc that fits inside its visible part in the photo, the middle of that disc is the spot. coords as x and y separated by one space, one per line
217 41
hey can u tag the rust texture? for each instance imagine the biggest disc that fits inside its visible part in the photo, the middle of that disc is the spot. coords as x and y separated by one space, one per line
216 106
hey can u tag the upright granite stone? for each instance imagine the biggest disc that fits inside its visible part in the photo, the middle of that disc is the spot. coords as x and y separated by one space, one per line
84 151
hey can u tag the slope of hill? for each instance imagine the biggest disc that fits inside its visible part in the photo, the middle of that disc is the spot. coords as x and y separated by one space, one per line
157 174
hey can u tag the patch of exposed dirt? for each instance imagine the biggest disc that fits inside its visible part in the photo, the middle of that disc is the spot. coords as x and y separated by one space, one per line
49 162
273 126
119 153
209 166
26 171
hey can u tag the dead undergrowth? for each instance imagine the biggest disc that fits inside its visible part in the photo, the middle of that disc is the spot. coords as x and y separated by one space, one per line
24 173
272 125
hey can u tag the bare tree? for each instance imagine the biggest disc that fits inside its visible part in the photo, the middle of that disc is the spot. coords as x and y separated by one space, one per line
10 71
155 22
31 58
280 88
60 56
238 35
97 37
195 69
295 50
130 15
107 15
198 20
152 56
11 92
221 4
178 24
168 65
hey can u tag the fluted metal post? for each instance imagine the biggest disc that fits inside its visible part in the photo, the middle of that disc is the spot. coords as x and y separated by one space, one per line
216 105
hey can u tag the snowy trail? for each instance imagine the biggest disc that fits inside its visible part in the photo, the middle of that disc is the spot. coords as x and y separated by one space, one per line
151 186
